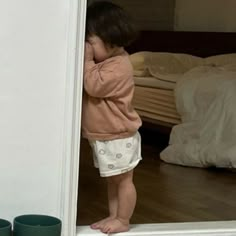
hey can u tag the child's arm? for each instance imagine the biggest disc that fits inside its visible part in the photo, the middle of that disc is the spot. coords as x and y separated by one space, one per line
88 52
102 79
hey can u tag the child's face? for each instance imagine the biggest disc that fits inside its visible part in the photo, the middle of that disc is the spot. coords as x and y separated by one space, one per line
101 52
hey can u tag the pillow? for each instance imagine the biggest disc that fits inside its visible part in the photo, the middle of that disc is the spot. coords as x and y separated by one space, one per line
229 67
142 73
221 60
138 60
169 66
163 65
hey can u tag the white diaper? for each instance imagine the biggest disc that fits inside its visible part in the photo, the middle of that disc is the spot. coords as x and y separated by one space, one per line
116 156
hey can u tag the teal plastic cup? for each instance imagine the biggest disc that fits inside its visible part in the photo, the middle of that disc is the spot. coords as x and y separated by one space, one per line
5 228
36 225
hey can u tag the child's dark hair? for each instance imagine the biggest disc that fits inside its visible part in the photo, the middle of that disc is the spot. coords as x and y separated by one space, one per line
110 23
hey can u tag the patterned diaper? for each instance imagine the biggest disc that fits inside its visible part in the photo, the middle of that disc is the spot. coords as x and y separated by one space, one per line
116 156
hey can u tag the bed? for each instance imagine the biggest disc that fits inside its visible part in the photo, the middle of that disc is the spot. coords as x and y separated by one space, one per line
154 99
187 81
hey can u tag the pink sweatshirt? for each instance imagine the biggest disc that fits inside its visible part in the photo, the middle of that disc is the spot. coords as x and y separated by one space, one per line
107 102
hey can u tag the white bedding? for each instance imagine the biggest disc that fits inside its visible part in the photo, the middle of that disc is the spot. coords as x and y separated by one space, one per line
206 101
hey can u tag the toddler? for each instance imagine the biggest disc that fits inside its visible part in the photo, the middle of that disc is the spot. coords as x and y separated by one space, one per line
109 121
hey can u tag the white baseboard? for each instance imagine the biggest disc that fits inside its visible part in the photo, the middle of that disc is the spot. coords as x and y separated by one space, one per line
216 228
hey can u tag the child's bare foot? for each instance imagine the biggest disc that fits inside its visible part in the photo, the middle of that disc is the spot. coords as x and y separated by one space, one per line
100 224
114 226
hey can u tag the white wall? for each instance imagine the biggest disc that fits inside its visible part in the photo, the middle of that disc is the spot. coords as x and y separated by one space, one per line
33 47
205 15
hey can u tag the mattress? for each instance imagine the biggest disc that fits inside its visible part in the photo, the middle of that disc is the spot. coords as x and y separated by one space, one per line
156 104
153 82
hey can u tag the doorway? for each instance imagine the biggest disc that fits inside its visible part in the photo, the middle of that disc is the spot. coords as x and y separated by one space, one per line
90 174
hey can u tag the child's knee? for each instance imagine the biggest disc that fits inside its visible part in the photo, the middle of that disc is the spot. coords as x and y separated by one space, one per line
122 178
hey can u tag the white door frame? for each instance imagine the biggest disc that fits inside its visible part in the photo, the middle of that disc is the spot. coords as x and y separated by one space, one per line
69 190
71 141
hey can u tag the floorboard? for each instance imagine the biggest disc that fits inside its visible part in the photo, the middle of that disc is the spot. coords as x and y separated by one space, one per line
166 193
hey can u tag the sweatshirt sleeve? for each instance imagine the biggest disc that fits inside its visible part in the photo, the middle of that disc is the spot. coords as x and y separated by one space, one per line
102 80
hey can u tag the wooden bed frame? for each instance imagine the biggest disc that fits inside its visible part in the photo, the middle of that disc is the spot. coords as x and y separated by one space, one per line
201 44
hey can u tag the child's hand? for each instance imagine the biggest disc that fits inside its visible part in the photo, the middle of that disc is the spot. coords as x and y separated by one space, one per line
88 54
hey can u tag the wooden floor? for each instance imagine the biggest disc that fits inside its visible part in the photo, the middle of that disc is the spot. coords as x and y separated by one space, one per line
166 193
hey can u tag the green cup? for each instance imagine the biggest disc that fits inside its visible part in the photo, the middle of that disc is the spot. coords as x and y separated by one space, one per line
5 228
36 225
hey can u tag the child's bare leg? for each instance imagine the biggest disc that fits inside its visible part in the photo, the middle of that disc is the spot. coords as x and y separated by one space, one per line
112 198
126 204
112 202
